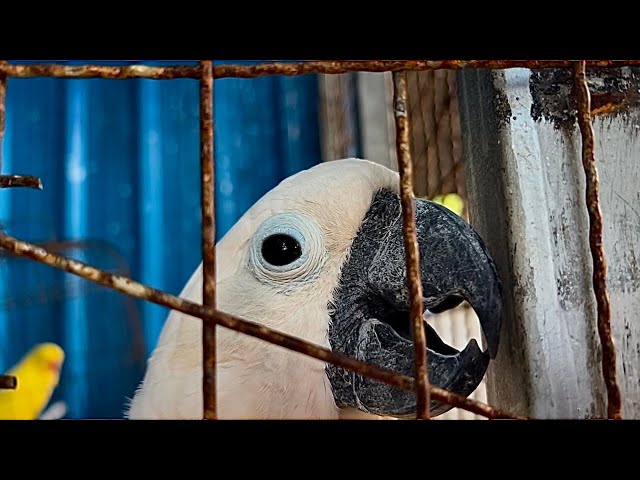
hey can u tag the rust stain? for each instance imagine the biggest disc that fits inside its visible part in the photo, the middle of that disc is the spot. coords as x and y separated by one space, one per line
412 256
132 288
613 91
606 109
614 405
608 103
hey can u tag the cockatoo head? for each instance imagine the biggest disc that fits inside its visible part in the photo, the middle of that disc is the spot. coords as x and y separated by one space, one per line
321 257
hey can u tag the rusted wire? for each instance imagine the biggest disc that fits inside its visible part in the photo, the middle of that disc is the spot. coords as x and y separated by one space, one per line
207 195
287 69
3 111
8 181
412 254
8 382
132 288
101 71
614 404
344 66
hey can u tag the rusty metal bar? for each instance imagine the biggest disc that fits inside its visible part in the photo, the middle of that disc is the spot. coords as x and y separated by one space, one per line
412 254
345 66
287 69
8 382
207 195
3 108
614 405
100 71
135 289
8 181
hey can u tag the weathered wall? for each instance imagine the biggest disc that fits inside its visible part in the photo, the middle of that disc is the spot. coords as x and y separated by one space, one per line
526 188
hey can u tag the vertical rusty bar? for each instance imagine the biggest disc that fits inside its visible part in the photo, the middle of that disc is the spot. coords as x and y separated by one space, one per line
614 402
7 382
3 99
208 239
412 254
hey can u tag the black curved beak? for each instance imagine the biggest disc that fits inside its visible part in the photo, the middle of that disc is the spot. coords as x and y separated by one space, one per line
371 319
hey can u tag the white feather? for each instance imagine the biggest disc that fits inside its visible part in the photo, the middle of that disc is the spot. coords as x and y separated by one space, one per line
55 411
256 379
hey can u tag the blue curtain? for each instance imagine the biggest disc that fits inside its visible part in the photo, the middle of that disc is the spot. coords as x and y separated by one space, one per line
119 161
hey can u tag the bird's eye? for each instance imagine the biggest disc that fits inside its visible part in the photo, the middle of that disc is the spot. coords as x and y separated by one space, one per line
287 250
281 249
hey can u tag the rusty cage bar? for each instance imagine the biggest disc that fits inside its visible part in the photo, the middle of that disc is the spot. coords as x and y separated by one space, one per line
206 73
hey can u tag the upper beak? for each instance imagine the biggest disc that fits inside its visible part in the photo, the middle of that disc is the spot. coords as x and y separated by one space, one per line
454 266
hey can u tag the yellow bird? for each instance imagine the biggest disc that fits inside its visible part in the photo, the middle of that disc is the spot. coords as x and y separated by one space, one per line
38 374
452 201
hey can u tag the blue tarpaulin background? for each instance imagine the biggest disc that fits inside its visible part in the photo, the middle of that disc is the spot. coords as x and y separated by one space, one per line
119 160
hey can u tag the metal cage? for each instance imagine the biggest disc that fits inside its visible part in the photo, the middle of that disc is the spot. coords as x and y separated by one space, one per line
206 73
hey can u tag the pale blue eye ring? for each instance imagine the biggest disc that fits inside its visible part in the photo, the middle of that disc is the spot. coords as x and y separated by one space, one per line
300 229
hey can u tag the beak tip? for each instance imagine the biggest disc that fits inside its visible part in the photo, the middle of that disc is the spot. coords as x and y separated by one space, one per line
493 342
493 352
490 317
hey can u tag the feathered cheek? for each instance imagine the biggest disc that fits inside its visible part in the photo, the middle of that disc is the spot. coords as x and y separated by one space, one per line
304 269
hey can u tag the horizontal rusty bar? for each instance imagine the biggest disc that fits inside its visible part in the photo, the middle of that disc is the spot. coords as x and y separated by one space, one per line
8 382
328 67
132 288
378 66
9 181
100 71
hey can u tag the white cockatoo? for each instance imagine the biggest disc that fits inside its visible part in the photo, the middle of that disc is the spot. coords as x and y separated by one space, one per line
321 257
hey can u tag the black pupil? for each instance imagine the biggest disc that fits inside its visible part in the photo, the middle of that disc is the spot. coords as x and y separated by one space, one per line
281 250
